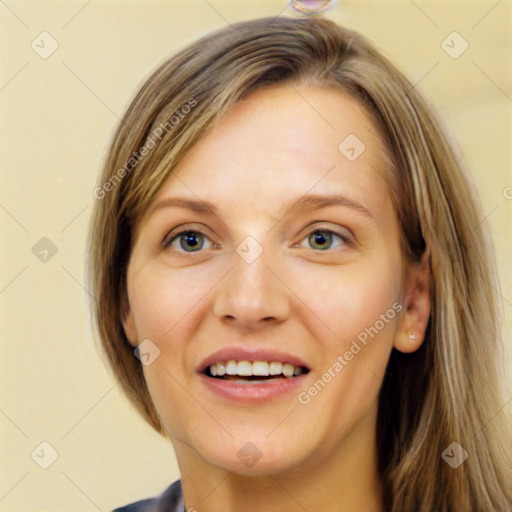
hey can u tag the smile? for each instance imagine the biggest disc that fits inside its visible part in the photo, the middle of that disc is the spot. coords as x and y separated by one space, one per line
254 371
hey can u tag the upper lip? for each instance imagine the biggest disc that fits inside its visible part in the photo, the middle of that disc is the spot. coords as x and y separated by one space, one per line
250 354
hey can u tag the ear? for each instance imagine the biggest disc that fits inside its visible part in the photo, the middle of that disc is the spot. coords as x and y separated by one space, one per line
128 321
416 303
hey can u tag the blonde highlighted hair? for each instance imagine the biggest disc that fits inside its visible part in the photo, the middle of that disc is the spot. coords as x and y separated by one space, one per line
447 391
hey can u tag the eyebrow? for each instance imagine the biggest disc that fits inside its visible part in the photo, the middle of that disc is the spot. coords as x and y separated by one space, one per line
307 202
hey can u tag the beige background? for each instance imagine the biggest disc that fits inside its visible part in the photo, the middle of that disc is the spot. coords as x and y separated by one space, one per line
57 116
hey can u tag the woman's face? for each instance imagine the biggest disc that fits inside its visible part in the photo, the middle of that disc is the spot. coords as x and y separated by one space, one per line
318 285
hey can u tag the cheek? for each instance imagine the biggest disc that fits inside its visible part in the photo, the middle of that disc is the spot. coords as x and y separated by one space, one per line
361 307
363 313
161 299
166 304
348 300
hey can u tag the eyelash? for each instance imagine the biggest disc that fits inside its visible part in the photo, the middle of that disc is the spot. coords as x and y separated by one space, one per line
168 242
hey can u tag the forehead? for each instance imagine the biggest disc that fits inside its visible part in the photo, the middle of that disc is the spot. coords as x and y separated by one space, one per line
280 143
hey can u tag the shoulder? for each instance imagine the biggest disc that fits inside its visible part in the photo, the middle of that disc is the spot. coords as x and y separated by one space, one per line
171 500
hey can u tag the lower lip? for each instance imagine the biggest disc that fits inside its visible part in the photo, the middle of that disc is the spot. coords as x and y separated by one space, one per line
253 392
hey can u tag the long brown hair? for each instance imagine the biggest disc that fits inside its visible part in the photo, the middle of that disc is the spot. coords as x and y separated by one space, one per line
447 391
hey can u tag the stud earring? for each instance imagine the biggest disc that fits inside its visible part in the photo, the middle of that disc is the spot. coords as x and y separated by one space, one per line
412 336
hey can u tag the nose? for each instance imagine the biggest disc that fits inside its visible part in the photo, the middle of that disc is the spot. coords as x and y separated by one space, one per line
251 295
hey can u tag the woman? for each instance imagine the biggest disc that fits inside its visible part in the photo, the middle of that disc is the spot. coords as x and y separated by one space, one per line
292 283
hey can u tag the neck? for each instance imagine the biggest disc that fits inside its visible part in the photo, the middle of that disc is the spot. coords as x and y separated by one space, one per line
338 479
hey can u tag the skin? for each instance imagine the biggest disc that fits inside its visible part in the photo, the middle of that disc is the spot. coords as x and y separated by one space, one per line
310 299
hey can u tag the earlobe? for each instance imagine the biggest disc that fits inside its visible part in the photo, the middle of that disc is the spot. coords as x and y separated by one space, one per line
128 322
417 306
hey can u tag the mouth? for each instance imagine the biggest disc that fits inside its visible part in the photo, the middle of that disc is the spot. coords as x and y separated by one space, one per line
245 371
252 375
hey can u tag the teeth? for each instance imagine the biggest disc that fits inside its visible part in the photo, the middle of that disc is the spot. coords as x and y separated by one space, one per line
244 369
288 370
231 368
258 368
275 368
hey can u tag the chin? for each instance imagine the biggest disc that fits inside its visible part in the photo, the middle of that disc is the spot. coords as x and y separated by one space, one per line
255 458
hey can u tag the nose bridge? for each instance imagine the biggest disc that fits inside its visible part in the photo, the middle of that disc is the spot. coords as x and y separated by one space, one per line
250 292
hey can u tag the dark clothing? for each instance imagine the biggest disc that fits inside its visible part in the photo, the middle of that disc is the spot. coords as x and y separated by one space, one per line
171 500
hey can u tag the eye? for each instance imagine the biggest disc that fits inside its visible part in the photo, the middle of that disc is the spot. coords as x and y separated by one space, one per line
189 240
192 240
322 239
